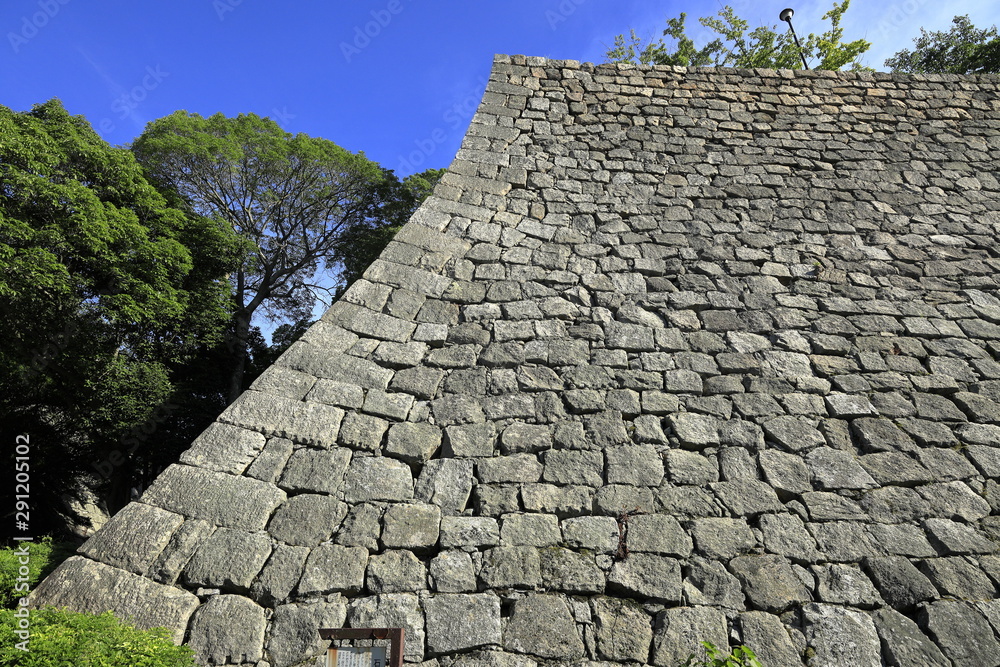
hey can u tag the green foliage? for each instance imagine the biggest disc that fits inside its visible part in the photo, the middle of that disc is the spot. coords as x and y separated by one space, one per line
61 638
741 656
43 557
963 49
295 200
737 46
105 289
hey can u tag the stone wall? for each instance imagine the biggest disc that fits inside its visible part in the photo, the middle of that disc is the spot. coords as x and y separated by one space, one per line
671 355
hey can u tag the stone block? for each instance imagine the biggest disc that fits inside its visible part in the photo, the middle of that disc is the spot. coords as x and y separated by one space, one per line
658 533
224 448
446 483
225 500
332 568
571 572
675 628
533 530
840 636
461 622
229 559
511 567
623 630
411 526
395 571
307 519
769 582
452 571
593 533
647 575
115 543
469 532
474 440
377 478
316 470
87 586
280 575
542 625
306 422
638 465
228 629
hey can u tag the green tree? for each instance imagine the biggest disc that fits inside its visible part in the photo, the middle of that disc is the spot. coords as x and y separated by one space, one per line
737 46
294 198
963 49
104 290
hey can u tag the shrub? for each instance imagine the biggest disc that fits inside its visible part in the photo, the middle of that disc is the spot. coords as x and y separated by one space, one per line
62 638
45 555
741 656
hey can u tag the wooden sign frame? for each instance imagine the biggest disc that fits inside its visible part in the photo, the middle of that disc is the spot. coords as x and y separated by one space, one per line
394 635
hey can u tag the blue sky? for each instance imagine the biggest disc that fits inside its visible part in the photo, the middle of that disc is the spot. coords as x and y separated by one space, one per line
397 79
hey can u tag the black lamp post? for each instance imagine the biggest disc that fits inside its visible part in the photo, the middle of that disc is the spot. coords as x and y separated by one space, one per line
786 15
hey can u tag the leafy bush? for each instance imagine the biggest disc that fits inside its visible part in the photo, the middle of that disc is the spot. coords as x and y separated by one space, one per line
45 555
62 638
741 656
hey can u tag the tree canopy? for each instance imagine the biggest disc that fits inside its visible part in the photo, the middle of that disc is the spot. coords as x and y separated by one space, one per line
105 289
963 49
737 46
295 199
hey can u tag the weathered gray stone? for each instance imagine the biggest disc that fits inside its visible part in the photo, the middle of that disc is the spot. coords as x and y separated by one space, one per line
362 431
225 500
392 610
903 643
722 538
413 442
840 636
747 497
269 464
691 468
362 527
695 431
623 630
563 501
87 586
331 568
638 465
461 622
569 467
833 469
952 538
962 633
302 421
511 567
470 440
280 575
292 635
115 545
658 533
769 582
679 631
707 582
452 571
316 470
446 483
521 437
395 571
786 473
532 530
569 571
767 637
179 550
228 629
594 533
647 575
377 478
901 584
224 448
845 585
793 433
958 577
229 559
469 532
542 625
786 535
513 468
306 520
954 500
411 526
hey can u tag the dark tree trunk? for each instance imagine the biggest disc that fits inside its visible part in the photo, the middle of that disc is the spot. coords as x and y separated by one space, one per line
241 335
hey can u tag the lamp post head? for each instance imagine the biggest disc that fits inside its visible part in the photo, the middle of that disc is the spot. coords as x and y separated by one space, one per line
786 15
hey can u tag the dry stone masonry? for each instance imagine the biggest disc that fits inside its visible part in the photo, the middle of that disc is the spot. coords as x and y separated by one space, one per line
671 355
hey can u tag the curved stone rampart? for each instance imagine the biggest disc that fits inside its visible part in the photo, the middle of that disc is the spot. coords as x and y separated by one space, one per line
671 355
